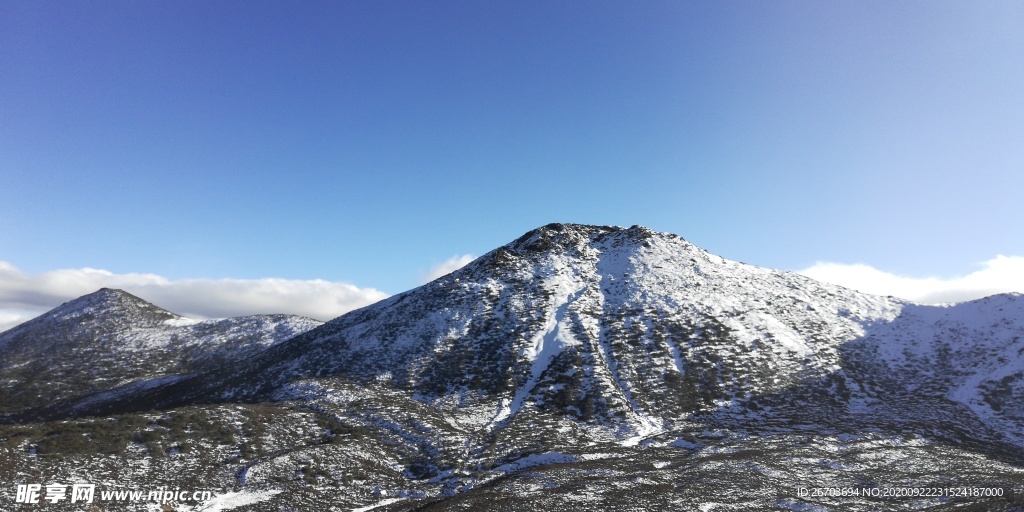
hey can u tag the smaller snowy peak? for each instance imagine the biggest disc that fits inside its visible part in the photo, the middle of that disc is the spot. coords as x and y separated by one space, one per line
125 340
108 303
107 297
105 309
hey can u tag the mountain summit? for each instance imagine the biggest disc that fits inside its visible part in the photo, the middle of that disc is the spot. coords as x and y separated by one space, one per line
111 307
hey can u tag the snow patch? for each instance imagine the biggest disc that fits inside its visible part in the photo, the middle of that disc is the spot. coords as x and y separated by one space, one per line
378 504
181 321
236 499
551 341
537 459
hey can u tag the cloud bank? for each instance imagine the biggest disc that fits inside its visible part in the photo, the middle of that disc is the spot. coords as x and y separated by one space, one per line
24 296
1001 274
448 266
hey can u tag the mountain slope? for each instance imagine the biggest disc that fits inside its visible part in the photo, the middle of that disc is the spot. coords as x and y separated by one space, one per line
595 322
586 367
111 338
627 331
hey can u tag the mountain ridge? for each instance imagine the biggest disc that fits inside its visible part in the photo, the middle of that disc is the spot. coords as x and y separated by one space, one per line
576 296
111 338
581 367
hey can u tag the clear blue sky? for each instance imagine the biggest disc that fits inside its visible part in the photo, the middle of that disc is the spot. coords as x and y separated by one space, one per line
366 141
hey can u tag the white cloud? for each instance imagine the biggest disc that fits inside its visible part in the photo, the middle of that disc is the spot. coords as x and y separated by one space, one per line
11 318
448 266
23 296
998 275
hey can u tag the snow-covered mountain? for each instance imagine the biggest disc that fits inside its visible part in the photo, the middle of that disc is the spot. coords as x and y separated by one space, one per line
111 339
633 331
587 367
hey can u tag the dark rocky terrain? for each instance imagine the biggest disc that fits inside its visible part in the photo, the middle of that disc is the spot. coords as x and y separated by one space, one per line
576 368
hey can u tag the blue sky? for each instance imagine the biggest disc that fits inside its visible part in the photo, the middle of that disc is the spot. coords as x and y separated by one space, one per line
369 142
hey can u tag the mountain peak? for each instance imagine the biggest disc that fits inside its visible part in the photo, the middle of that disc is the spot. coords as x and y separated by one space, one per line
561 237
108 302
105 294
554 235
124 339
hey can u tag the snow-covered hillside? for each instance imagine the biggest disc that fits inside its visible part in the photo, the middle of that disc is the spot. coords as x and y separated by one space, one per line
110 338
593 367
